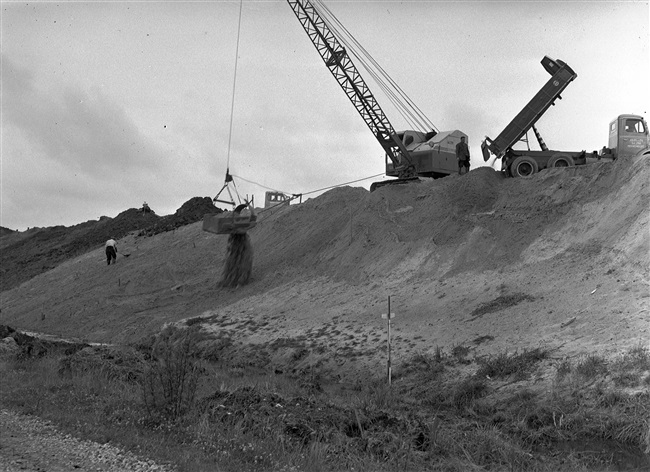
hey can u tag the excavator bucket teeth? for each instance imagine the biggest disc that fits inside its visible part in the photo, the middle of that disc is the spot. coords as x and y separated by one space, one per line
228 223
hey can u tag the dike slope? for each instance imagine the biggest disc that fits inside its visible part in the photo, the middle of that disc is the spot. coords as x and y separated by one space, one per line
560 259
26 254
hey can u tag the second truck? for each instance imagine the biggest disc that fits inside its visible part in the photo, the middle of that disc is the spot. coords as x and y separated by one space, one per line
628 134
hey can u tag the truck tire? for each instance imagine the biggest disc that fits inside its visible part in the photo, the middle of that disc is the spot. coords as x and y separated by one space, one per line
524 166
561 160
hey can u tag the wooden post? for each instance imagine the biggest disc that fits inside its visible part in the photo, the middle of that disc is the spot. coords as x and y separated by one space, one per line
388 338
351 227
388 317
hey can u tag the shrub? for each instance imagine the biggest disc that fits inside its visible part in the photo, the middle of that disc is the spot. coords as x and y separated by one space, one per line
170 381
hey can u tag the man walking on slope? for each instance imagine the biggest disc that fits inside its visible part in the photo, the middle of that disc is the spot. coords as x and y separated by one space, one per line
462 154
111 251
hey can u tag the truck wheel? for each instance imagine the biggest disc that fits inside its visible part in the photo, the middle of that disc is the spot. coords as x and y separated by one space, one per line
561 160
524 166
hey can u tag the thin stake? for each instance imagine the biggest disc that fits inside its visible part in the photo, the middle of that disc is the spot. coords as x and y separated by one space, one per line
350 226
388 338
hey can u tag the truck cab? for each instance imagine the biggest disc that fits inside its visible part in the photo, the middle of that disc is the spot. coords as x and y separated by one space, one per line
628 136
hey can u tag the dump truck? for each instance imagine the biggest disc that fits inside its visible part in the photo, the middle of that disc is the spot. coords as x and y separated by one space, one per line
628 134
519 163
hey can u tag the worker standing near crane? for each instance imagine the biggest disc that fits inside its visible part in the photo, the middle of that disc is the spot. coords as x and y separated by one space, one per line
462 154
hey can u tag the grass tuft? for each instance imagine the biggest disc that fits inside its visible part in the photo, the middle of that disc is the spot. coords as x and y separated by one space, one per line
468 391
591 367
504 365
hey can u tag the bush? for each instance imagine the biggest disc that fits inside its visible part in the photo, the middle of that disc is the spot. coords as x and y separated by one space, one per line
170 381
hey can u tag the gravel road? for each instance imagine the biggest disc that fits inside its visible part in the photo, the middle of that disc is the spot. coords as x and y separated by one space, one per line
28 443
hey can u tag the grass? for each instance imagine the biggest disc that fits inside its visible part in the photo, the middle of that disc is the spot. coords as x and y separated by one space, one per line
591 367
631 369
504 365
440 413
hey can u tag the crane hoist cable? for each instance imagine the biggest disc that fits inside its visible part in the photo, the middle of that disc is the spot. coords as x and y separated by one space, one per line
340 185
297 195
233 223
229 180
312 191
402 102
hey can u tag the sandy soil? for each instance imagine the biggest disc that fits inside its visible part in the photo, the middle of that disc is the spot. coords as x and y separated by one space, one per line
557 260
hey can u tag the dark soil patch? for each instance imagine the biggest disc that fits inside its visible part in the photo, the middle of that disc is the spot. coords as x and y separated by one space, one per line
500 303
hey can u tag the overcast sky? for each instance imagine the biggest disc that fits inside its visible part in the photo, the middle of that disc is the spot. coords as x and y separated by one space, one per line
109 104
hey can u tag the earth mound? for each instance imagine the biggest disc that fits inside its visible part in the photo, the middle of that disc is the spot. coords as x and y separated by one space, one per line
479 262
29 253
191 211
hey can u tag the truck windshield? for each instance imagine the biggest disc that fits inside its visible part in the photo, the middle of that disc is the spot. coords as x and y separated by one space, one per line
634 126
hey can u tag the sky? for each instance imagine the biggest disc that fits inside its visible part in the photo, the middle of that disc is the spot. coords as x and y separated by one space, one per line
107 104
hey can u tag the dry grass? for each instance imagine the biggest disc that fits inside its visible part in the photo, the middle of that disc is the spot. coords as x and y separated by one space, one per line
504 365
434 417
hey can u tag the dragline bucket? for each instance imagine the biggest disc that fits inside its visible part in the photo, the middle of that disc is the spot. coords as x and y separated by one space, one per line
231 222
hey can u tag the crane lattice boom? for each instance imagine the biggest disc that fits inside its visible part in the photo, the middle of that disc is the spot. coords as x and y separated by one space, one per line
346 74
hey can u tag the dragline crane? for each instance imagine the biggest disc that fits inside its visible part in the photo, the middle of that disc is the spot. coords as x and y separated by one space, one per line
409 154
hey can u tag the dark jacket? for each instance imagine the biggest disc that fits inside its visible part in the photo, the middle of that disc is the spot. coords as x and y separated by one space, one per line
462 151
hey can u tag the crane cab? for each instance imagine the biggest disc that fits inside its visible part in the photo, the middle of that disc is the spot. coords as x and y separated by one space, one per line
432 154
272 199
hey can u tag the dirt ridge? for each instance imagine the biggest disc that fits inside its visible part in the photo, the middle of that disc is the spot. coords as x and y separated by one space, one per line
29 253
571 244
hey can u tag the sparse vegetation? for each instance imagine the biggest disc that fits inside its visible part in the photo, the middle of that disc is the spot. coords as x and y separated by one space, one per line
171 376
425 364
247 421
505 365
629 370
460 352
563 369
637 358
591 367
467 391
